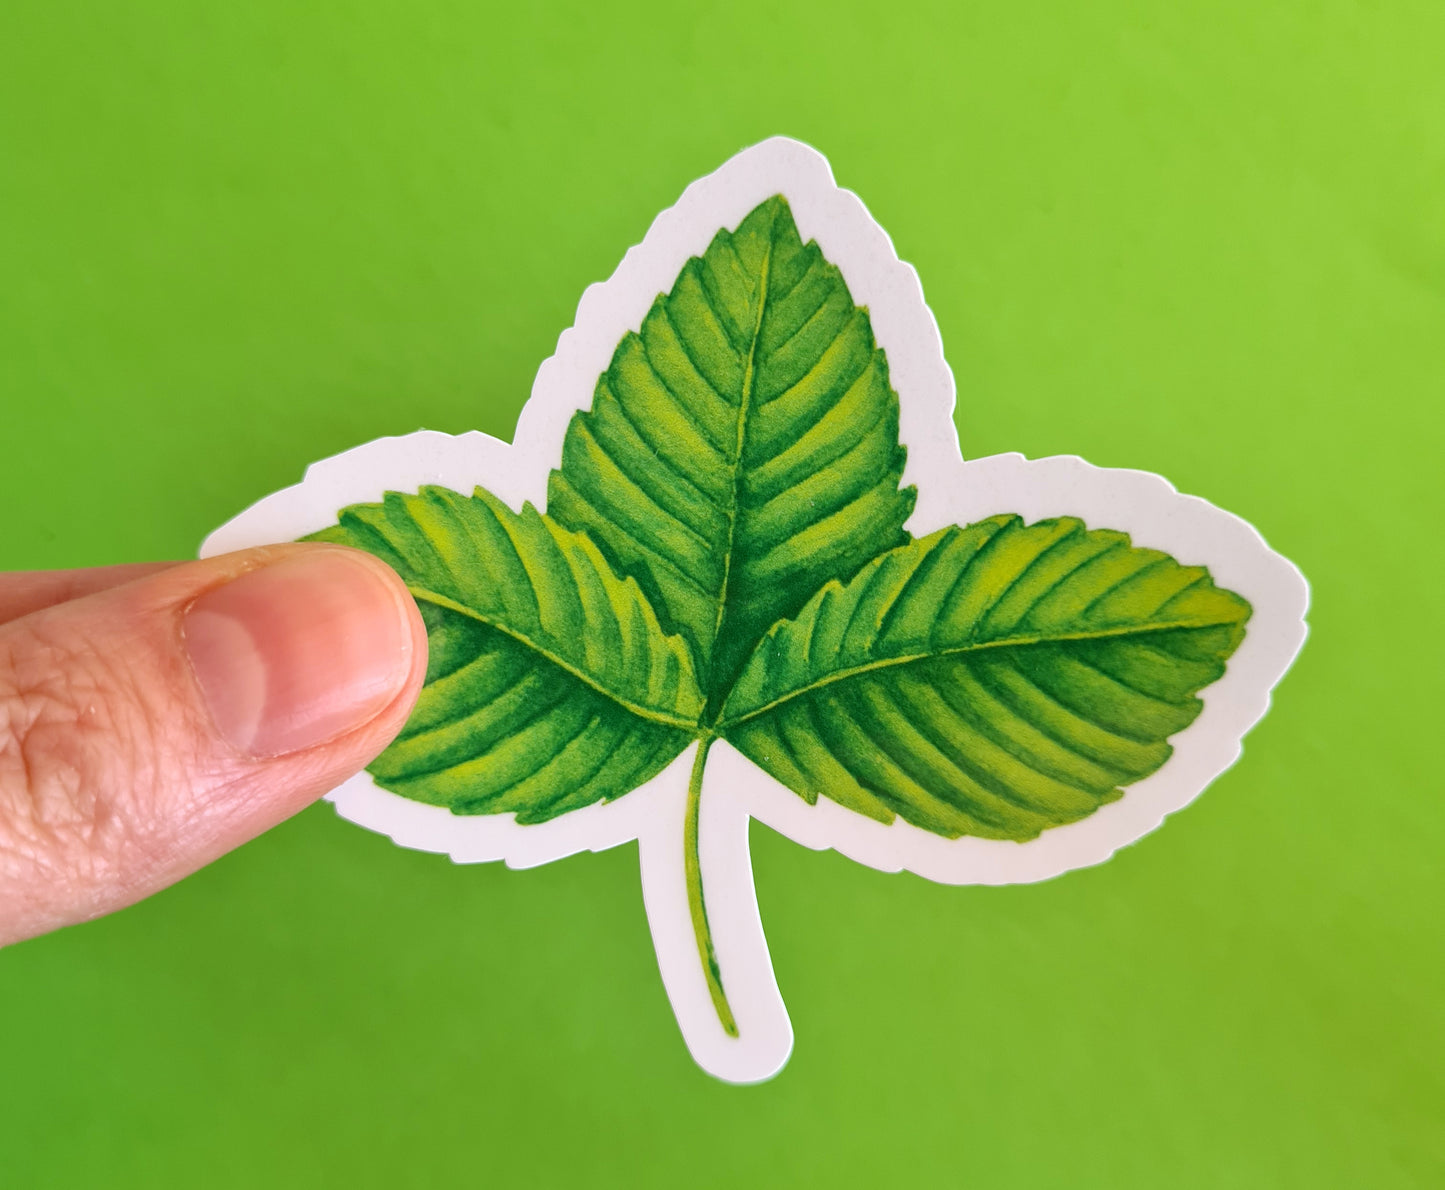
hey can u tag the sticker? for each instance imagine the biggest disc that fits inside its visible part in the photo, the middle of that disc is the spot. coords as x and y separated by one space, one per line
734 566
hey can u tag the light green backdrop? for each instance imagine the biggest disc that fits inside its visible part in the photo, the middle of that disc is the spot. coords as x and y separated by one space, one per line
1207 240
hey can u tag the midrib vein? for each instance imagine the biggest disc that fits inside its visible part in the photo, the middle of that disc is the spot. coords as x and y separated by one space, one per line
645 712
1009 642
744 405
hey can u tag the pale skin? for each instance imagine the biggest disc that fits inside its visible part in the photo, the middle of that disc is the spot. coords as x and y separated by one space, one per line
156 716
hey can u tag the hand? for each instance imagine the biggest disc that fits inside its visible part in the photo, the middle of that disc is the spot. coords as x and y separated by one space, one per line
153 717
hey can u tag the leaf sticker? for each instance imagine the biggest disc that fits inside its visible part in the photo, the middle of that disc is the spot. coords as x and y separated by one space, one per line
765 585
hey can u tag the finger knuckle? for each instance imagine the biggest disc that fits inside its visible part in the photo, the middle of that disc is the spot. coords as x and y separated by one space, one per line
72 755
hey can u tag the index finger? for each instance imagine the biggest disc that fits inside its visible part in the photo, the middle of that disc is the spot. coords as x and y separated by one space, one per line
26 591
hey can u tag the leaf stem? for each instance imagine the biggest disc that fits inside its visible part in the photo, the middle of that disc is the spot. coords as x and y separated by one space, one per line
696 906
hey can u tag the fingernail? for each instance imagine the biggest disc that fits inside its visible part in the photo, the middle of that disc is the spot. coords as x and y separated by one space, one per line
299 652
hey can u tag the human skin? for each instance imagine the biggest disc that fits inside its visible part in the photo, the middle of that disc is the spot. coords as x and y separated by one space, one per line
155 716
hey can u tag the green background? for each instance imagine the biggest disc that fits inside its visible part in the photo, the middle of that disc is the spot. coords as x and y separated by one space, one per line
1207 240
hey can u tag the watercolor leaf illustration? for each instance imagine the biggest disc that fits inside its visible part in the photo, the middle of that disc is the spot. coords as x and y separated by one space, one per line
723 556
550 684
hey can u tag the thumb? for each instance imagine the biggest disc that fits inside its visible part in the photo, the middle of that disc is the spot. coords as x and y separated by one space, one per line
149 728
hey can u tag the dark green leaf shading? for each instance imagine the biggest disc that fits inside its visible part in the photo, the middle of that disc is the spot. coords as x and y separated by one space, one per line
994 680
550 684
742 449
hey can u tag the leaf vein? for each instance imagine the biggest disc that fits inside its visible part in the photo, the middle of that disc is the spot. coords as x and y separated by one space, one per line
654 714
1010 642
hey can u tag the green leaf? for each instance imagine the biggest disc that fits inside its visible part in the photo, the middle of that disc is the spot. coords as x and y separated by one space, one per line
550 684
994 680
742 449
